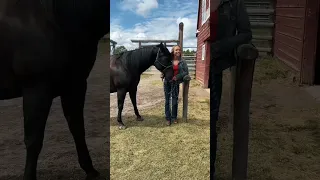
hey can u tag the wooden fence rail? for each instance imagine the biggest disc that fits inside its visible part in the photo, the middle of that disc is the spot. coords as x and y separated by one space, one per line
261 14
191 62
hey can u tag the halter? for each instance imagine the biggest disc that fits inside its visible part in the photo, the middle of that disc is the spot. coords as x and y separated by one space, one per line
157 60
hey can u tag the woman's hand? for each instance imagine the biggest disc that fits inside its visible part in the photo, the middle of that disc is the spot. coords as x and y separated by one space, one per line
174 78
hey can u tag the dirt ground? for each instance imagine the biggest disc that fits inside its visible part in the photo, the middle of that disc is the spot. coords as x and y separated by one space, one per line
284 128
58 159
148 96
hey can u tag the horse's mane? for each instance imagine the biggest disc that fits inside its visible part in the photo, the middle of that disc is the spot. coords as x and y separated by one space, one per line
133 58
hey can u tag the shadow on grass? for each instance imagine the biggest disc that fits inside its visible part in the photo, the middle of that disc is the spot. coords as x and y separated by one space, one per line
269 68
156 121
311 126
44 174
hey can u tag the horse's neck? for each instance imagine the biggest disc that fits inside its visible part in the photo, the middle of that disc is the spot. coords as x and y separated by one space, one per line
150 62
146 63
27 12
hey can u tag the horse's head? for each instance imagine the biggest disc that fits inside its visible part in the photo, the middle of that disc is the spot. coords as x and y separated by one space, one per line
164 61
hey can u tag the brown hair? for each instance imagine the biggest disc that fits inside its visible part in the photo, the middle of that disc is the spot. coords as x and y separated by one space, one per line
172 50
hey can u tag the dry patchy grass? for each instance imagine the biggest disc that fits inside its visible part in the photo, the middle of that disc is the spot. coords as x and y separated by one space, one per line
152 150
145 76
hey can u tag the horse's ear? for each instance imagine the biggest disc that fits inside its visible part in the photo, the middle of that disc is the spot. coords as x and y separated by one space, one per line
158 45
161 46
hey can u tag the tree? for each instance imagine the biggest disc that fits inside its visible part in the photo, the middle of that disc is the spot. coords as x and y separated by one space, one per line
188 52
119 49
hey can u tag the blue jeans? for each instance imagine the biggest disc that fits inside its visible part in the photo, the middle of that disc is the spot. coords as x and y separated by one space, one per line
171 91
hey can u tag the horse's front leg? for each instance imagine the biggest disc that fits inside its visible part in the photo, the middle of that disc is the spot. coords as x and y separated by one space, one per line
73 100
37 102
121 95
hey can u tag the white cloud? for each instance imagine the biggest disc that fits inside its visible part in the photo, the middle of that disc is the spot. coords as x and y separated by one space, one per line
162 25
141 7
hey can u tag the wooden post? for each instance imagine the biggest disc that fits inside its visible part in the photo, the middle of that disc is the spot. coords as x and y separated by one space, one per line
233 72
181 36
247 55
187 79
185 100
139 45
186 83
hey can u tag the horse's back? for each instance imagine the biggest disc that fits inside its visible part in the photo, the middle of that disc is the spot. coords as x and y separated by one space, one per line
36 45
26 50
120 76
116 63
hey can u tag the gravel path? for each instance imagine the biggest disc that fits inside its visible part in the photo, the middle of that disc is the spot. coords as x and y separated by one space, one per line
150 94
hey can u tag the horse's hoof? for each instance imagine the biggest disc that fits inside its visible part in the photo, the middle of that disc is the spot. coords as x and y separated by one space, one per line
95 176
122 127
29 178
140 118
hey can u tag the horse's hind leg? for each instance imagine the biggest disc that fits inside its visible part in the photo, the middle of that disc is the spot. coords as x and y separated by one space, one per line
72 100
121 95
37 102
133 97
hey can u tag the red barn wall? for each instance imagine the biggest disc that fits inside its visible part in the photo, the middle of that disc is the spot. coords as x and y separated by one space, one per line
202 66
295 41
308 64
289 32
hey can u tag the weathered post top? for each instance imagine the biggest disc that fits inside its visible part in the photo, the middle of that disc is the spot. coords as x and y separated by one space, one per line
181 35
181 25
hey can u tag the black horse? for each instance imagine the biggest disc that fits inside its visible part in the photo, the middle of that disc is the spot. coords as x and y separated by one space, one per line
47 49
126 69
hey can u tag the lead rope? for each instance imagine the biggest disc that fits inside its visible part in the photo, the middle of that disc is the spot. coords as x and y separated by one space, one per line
173 90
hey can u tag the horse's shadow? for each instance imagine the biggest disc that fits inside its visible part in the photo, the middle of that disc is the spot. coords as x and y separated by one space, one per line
45 174
155 121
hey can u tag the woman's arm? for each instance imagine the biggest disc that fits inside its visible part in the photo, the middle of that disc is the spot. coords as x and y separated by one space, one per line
184 71
244 33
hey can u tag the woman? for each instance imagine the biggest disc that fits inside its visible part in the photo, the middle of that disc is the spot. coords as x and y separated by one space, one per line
171 87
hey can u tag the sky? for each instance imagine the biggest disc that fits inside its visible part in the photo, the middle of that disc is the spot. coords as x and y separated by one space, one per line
153 19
